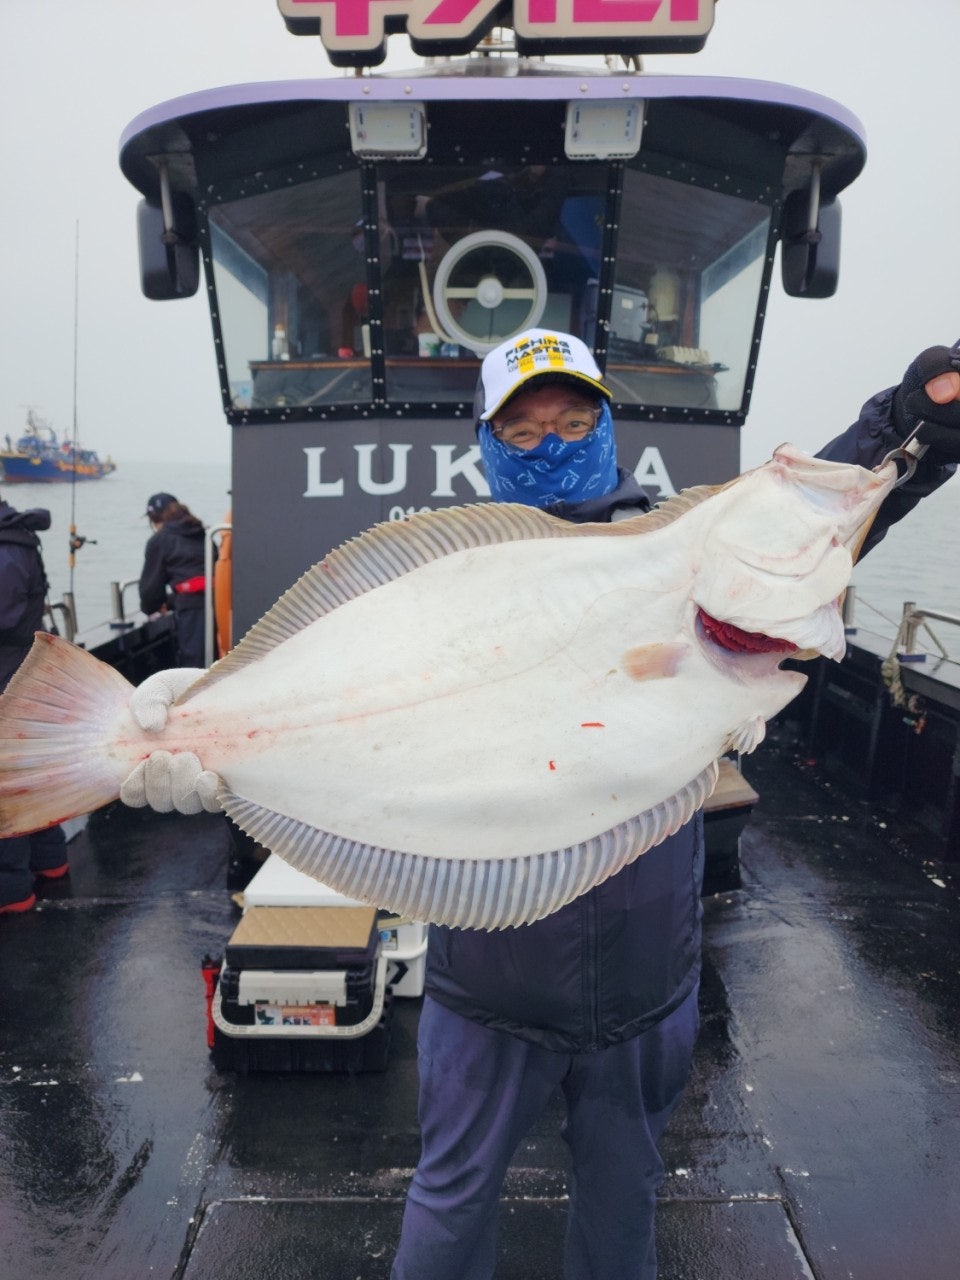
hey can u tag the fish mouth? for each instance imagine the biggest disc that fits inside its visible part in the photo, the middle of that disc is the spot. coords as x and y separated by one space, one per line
736 640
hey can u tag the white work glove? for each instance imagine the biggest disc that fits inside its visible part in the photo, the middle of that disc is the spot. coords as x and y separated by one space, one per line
165 781
152 699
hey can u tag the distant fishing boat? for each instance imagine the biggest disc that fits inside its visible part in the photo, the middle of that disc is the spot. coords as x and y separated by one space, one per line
39 456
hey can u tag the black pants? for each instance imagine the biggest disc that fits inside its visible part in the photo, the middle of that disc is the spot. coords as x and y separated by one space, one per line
191 637
23 856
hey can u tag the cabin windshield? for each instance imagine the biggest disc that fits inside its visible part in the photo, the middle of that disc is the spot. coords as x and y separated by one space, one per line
384 285
688 274
284 264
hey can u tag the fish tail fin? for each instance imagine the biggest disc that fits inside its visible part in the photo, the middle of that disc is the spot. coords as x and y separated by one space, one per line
58 717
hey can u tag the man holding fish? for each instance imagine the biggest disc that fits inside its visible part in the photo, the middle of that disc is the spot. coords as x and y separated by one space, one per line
600 998
576 752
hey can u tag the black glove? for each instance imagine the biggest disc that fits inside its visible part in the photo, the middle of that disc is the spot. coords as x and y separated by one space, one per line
911 404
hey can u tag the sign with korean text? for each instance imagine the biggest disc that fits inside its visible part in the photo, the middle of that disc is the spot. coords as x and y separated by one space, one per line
354 31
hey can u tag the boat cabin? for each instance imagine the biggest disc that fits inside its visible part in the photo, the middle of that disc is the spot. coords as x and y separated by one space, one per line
364 241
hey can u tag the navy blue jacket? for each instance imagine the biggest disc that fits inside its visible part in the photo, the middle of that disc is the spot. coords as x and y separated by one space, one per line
621 957
175 553
23 584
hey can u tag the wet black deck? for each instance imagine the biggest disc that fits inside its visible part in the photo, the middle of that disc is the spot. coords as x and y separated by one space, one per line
820 1136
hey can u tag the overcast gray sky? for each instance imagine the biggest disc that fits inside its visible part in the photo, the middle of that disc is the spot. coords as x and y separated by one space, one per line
73 73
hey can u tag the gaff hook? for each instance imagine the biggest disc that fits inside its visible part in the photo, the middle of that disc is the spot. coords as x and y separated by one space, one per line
909 453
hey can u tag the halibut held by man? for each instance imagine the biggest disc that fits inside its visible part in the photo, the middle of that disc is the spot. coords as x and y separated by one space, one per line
475 715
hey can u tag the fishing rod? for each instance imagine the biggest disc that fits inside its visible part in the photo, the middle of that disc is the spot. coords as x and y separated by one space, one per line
76 540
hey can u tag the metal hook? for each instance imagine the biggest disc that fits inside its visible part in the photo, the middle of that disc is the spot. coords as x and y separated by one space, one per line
908 459
909 453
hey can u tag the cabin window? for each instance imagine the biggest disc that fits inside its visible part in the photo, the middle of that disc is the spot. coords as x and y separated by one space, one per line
475 253
287 265
689 269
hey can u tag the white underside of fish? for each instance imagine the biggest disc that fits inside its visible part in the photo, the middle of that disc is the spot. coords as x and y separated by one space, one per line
437 718
476 715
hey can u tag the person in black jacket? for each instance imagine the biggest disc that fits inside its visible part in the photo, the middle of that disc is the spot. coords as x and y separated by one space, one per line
174 574
23 593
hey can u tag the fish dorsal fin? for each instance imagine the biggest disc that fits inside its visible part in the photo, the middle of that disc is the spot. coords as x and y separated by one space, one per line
389 550
666 512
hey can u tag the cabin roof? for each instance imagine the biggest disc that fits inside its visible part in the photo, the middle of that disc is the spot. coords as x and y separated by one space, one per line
806 128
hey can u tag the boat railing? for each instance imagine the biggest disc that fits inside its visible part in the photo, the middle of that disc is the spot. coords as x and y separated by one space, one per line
848 607
907 651
118 591
906 644
912 622
63 614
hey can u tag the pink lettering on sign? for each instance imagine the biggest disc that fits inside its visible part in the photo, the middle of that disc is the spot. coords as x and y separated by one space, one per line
584 11
350 17
359 26
615 10
450 11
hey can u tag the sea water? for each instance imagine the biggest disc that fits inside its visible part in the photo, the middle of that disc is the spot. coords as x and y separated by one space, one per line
919 560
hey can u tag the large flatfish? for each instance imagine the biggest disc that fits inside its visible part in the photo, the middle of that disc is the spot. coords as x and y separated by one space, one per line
476 715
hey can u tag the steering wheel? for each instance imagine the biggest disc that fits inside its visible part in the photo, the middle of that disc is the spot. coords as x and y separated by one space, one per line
489 286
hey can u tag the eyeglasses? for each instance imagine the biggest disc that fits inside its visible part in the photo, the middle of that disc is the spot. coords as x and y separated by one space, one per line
526 433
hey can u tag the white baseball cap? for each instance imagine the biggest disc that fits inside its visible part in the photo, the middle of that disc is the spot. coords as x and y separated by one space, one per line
529 355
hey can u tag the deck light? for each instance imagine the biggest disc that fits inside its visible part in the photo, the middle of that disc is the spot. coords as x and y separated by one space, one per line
603 130
388 130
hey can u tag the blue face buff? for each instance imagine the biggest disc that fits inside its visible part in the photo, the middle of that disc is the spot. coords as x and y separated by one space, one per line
556 470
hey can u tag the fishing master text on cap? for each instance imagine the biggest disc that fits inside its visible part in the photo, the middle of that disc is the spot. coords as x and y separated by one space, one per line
530 354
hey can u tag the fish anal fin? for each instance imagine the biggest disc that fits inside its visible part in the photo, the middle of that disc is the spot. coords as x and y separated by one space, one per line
496 893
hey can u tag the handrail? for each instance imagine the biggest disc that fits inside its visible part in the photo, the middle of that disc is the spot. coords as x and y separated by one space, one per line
937 614
905 649
117 592
68 614
913 619
848 608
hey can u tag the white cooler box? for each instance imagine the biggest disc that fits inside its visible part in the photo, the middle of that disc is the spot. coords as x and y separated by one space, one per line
277 884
